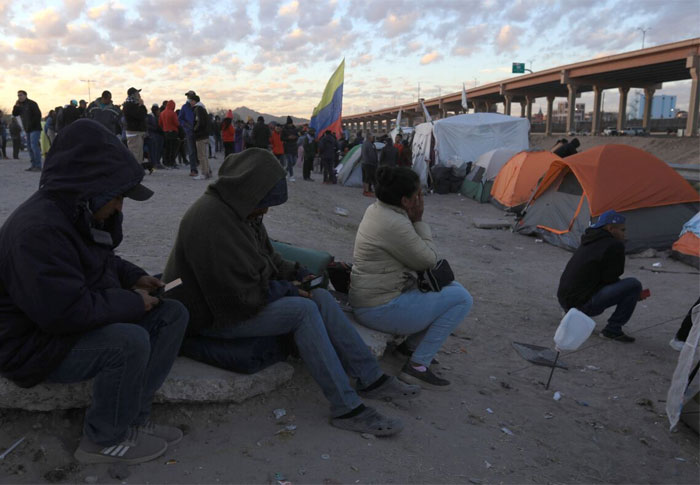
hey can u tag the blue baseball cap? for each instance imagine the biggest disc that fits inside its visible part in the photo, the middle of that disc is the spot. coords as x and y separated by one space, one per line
276 196
608 217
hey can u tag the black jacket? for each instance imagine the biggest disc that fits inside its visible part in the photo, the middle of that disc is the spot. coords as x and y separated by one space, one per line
328 147
70 115
135 116
261 135
201 122
598 261
106 114
30 113
389 155
289 139
56 282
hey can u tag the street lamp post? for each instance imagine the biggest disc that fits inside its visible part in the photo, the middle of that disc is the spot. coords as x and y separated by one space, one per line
88 81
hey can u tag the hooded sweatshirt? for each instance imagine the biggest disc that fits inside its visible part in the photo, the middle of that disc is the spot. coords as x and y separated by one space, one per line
599 261
290 137
168 119
201 122
57 282
135 114
228 267
106 114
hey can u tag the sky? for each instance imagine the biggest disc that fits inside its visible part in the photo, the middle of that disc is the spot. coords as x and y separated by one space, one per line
276 56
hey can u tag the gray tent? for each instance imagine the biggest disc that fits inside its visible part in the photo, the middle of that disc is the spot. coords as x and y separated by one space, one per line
480 178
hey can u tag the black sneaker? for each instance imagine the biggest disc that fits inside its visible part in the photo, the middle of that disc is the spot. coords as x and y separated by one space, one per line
425 379
620 337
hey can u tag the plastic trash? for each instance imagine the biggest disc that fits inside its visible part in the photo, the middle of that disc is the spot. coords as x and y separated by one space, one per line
679 391
507 431
325 456
557 396
656 265
573 330
489 410
279 413
341 212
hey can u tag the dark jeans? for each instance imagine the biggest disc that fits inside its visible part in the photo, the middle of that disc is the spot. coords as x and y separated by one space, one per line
170 148
155 148
687 324
288 162
16 147
129 363
624 294
228 148
3 146
327 341
328 170
308 167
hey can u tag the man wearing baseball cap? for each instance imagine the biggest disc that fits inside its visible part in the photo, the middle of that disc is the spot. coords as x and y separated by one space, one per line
135 114
73 310
591 280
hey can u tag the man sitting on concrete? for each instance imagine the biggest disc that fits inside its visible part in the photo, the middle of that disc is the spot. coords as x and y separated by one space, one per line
71 310
235 285
591 280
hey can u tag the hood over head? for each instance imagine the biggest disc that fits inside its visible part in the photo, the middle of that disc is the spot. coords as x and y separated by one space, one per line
170 106
246 178
289 120
229 114
88 162
593 234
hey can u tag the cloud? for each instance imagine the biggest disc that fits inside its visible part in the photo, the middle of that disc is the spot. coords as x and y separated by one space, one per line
73 8
33 46
470 40
395 25
430 57
359 61
507 39
48 23
255 68
289 8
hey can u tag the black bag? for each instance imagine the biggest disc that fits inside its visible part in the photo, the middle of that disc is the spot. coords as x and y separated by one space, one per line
437 278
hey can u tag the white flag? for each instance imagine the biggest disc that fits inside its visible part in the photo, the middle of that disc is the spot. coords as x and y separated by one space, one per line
398 121
428 118
464 98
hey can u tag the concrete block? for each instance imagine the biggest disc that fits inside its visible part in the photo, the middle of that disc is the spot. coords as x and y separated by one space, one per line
376 341
483 223
189 381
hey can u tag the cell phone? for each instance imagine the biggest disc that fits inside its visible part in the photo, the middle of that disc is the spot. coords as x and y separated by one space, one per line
311 284
646 293
164 289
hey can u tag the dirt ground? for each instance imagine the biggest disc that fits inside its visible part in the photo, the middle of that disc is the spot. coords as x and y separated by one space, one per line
496 425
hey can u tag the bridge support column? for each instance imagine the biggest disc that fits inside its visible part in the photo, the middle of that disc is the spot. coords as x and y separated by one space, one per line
548 123
622 109
648 98
595 122
571 108
506 103
528 109
691 127
523 106
410 121
487 105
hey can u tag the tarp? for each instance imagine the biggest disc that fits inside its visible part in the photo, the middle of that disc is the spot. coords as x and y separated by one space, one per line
518 178
622 177
655 199
350 168
687 247
463 138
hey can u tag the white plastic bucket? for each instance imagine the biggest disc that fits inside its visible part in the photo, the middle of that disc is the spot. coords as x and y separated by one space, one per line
573 330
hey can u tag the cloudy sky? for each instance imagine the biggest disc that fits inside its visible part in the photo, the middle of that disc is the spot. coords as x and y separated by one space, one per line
276 56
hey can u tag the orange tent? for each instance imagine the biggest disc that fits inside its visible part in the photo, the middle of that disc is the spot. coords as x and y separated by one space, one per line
654 198
623 178
689 244
517 179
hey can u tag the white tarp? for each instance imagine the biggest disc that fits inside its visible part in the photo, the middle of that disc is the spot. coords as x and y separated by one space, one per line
463 138
350 169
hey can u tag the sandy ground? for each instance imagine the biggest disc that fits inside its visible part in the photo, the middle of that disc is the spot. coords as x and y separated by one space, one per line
497 425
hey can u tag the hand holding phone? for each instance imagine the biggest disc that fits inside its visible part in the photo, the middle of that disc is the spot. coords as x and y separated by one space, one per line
312 283
646 293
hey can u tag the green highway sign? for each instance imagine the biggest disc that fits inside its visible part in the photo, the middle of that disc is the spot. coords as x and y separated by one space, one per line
518 68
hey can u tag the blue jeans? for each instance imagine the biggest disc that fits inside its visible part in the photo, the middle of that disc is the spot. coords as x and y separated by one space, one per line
129 362
288 163
327 341
428 318
34 148
624 294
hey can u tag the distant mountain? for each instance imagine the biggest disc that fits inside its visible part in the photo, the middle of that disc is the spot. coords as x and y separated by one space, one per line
243 113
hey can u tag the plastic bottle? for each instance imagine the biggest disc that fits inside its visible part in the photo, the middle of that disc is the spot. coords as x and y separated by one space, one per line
573 330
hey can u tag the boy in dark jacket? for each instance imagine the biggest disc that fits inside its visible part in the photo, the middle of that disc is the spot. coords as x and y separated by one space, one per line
591 280
72 310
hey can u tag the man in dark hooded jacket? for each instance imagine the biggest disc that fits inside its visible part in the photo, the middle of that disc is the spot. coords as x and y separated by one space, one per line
591 280
72 310
289 139
235 285
261 134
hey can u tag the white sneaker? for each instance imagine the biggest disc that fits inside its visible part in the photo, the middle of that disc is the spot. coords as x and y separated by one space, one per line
676 344
199 177
292 179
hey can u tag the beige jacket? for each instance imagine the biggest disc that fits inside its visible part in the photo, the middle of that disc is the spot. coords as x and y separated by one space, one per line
389 249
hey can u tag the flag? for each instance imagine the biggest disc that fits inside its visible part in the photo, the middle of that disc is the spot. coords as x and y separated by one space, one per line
398 121
464 98
428 118
327 114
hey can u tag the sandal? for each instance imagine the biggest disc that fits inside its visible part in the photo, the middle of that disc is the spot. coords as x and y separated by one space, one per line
391 389
370 421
